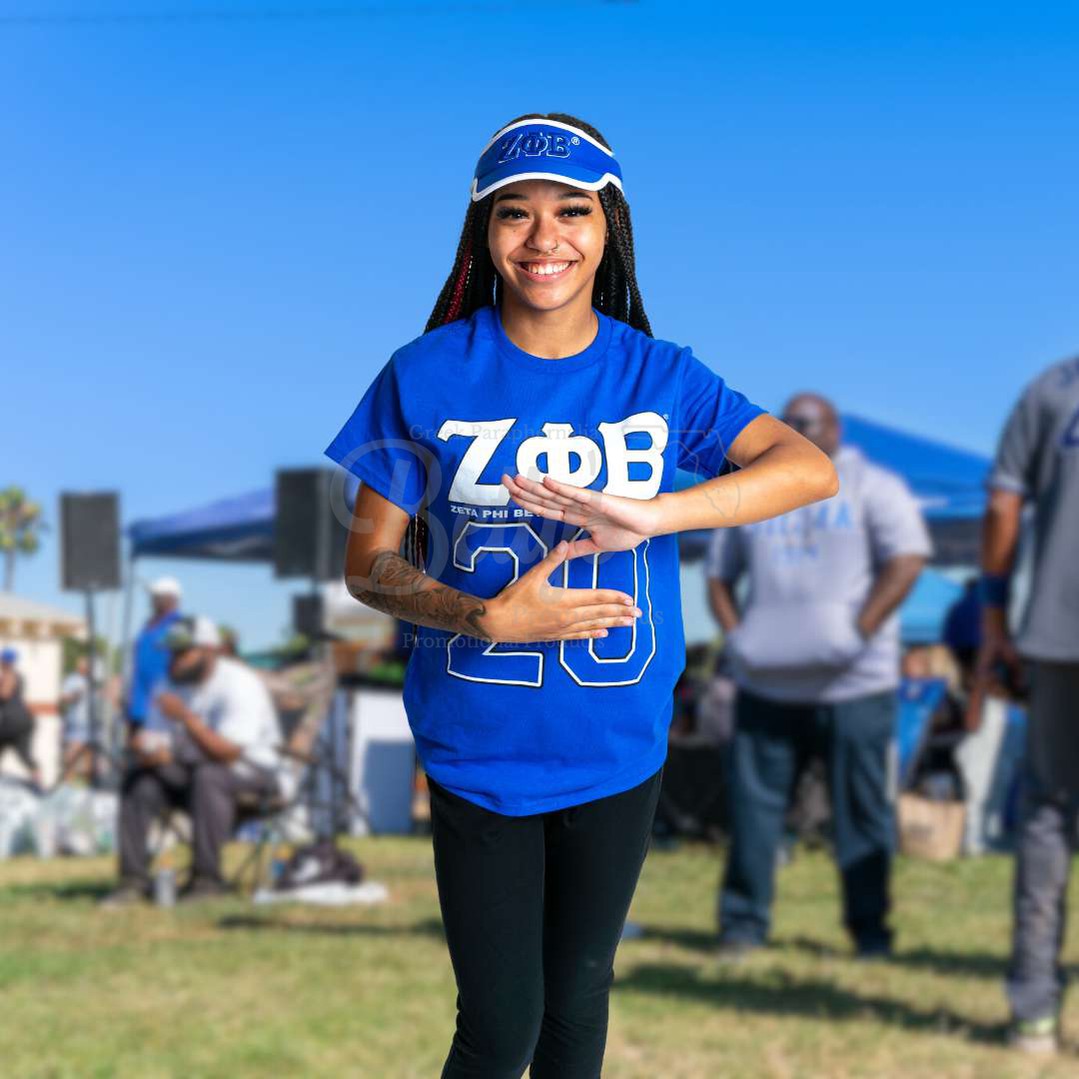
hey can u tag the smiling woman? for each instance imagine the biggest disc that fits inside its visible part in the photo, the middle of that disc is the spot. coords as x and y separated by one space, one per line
533 433
527 146
546 240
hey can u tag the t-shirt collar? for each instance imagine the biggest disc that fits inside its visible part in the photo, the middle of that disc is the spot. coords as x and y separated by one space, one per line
490 318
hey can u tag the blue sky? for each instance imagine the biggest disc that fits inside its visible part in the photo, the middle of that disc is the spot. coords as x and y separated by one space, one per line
216 230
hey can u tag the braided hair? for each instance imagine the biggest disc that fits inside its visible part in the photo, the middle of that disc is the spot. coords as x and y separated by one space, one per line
474 282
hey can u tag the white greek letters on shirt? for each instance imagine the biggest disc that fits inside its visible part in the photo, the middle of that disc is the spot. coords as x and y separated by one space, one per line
571 458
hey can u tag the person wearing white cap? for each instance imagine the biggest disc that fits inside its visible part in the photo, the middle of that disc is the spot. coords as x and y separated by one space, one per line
211 735
150 659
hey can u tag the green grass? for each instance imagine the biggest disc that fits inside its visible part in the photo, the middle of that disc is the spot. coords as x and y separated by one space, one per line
226 989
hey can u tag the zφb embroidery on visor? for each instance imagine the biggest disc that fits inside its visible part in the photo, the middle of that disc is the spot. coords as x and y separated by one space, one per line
544 150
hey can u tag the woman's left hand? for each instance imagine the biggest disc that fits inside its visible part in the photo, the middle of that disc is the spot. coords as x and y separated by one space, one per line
614 522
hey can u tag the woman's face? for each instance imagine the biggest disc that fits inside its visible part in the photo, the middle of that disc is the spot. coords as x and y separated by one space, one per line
546 240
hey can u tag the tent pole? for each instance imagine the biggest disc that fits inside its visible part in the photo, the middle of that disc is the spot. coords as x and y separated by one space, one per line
125 649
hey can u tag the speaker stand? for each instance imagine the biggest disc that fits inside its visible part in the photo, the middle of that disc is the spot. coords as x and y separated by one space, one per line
93 746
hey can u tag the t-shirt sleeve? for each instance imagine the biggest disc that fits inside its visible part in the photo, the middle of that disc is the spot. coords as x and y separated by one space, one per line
726 558
894 519
375 444
710 417
1015 466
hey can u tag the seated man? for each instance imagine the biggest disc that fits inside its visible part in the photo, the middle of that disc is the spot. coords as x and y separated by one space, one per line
210 737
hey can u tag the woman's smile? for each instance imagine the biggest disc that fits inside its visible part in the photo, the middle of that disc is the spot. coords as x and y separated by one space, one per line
545 270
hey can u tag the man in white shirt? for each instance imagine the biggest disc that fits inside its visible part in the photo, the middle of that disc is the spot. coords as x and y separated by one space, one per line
75 703
814 649
210 737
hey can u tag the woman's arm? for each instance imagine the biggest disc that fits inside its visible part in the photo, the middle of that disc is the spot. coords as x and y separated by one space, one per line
527 609
779 470
379 577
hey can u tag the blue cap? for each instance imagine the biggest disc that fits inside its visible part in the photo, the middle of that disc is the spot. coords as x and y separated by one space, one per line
544 150
8 655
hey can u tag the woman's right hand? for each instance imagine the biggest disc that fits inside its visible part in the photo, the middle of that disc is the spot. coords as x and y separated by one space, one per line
530 609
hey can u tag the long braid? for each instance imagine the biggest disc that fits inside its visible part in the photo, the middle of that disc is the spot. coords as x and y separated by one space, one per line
474 283
471 282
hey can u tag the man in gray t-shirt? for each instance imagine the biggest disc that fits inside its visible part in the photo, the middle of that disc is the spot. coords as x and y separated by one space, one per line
1037 465
815 652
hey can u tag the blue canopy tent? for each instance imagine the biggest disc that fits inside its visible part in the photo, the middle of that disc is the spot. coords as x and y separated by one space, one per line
924 610
236 529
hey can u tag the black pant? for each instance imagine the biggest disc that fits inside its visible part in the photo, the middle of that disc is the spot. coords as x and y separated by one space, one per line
534 908
208 791
17 733
771 741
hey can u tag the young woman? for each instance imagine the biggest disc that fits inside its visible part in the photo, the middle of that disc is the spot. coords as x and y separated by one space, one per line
522 453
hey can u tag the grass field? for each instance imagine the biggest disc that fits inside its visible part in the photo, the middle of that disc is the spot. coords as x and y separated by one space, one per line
226 989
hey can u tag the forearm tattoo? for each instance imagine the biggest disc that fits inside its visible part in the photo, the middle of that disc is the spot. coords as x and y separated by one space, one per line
399 588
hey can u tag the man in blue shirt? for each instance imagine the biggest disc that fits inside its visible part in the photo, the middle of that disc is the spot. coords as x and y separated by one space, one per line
150 661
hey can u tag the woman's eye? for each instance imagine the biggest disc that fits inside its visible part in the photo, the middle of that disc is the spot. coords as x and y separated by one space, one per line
577 211
508 213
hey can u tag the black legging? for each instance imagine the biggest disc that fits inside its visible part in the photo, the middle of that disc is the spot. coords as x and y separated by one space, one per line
17 732
534 909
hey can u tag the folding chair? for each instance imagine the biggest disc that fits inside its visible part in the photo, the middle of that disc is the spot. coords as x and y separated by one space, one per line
304 762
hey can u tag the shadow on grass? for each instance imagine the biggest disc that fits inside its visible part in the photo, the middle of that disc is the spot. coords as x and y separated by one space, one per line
63 890
970 964
811 998
431 927
698 940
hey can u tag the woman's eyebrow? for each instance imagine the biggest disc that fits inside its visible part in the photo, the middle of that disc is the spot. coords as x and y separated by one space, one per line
564 195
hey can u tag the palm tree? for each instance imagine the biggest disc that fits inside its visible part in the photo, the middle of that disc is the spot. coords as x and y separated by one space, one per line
20 530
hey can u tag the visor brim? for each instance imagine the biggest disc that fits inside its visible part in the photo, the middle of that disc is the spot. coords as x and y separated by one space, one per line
584 179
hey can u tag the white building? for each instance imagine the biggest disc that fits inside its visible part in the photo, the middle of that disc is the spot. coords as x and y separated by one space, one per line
36 631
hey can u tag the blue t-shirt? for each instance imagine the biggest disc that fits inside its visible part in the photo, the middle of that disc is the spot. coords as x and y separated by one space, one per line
151 664
527 728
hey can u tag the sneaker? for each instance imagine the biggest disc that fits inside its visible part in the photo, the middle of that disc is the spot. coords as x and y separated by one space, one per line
198 888
868 951
129 893
735 949
1036 1036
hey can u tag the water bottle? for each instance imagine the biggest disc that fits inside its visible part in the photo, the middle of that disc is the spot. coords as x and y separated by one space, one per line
165 887
277 871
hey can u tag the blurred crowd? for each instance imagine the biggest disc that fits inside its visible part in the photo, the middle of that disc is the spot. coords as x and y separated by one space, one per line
814 699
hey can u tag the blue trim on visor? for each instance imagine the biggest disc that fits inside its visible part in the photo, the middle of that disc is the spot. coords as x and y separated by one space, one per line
544 150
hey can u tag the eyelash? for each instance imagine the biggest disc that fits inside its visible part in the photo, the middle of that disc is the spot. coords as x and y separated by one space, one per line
510 212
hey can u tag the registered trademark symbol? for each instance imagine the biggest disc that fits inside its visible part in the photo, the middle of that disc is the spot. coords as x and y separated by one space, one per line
575 141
